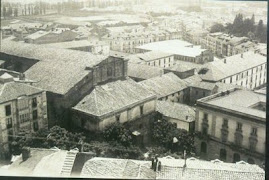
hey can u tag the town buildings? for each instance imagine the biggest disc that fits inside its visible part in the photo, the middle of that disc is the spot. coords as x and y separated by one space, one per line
22 107
232 126
153 58
72 80
56 35
94 47
250 71
181 50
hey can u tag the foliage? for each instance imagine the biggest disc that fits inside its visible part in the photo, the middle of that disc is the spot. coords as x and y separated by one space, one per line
118 133
217 28
163 133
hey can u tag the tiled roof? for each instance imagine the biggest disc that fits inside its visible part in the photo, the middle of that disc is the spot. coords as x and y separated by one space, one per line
113 96
42 162
176 47
176 110
58 70
117 168
75 44
237 101
183 66
13 90
143 71
193 79
152 55
204 85
164 85
218 70
37 34
200 170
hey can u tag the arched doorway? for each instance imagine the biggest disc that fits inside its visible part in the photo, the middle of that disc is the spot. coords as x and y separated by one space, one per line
223 154
203 147
236 157
251 161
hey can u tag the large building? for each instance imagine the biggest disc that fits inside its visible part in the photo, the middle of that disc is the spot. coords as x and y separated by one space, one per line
247 70
181 50
232 126
153 58
120 101
223 45
66 75
22 107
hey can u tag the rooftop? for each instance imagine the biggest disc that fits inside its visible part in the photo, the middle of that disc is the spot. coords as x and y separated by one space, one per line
117 168
67 67
176 47
152 55
176 110
37 35
143 71
113 97
182 66
164 85
218 70
75 44
237 102
13 90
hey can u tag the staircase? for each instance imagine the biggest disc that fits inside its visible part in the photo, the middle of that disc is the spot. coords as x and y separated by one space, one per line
68 163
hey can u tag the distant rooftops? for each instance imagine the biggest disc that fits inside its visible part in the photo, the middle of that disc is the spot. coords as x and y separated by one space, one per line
237 101
152 55
218 70
176 47
113 97
164 85
76 44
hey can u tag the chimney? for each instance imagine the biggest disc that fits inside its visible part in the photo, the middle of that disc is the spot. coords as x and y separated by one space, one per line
25 153
242 55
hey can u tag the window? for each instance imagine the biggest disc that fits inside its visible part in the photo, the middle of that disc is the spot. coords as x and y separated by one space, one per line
8 110
34 102
205 116
118 117
9 122
34 114
203 94
231 79
225 123
223 154
254 132
239 127
236 157
141 109
203 147
196 92
35 124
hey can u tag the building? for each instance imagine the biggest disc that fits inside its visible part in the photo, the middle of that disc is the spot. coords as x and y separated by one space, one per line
120 101
153 58
183 69
22 107
167 87
223 45
232 126
183 116
66 75
250 71
169 168
181 50
140 72
54 36
95 47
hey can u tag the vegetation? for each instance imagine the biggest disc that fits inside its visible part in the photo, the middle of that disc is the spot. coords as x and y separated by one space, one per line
243 27
167 135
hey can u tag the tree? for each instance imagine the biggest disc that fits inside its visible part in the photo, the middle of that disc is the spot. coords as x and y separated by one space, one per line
118 133
4 12
167 135
16 12
217 28
261 32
